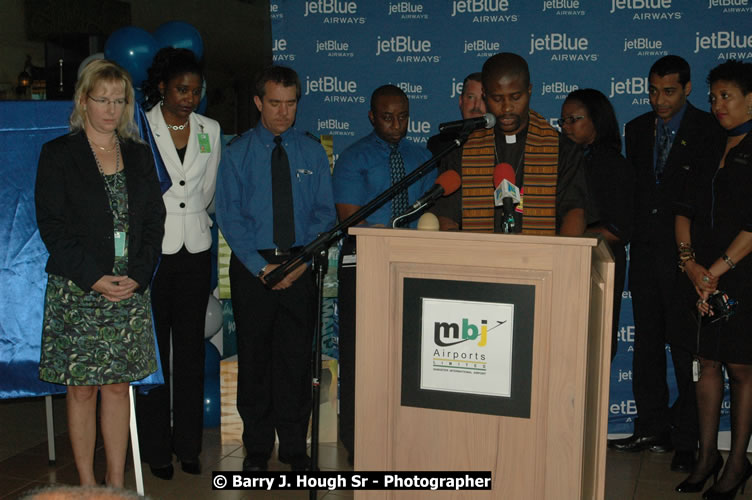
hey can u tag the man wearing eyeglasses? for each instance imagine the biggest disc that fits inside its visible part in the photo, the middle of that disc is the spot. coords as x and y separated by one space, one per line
664 146
546 164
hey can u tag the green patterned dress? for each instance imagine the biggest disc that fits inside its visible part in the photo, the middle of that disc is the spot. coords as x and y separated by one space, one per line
88 340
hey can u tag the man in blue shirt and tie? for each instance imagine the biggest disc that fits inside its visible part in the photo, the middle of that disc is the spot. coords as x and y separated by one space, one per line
363 171
665 146
274 195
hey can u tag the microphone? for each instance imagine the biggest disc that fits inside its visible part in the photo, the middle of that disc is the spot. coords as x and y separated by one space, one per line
445 184
428 222
486 121
506 194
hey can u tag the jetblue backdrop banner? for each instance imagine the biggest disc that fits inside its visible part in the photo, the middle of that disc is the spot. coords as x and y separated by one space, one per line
343 50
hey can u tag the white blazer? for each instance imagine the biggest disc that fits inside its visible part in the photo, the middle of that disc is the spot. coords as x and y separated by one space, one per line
193 183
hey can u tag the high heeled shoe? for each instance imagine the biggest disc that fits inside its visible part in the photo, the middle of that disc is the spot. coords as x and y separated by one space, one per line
689 487
713 494
693 487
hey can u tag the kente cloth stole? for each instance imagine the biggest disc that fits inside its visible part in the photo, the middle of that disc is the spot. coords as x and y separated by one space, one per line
539 189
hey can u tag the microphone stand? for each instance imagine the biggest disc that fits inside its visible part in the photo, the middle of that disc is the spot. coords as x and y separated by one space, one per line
317 250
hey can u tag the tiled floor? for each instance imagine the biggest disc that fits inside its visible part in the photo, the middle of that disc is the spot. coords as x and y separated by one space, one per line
24 464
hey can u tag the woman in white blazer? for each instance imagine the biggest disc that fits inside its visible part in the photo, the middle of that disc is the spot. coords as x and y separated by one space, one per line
190 148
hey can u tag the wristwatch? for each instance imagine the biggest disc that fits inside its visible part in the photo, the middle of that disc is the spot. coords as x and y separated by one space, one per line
263 270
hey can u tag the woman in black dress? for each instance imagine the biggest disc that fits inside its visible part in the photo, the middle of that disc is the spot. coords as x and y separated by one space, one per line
588 118
101 217
716 219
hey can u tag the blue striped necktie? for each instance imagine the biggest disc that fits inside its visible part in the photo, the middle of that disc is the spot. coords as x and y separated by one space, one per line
397 167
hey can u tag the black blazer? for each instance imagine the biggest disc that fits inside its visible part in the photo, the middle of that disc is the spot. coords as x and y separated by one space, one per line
610 187
695 147
74 218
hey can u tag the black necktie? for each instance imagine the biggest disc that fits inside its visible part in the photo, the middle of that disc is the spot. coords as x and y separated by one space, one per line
664 146
397 167
284 220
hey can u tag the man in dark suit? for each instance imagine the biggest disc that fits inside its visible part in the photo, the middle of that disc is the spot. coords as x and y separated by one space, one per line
663 145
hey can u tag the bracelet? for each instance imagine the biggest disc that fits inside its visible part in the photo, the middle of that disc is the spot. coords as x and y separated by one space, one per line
683 262
728 261
684 256
686 253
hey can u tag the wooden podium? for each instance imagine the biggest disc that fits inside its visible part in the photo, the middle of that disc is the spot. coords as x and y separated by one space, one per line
557 450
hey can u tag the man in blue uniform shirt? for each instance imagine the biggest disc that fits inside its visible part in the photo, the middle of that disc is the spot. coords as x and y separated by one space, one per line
363 171
274 196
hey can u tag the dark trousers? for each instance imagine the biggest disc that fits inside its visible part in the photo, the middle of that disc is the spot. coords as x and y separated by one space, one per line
180 293
275 339
652 283
620 274
346 308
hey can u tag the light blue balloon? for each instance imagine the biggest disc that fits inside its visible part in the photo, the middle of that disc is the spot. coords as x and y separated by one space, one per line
132 48
214 317
180 35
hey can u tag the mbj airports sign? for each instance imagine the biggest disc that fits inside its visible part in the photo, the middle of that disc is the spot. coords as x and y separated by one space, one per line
467 347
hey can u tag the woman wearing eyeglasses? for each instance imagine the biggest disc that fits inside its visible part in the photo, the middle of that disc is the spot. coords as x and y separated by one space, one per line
101 216
588 119
189 145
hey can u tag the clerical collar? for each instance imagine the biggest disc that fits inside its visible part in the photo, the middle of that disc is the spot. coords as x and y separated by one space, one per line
741 129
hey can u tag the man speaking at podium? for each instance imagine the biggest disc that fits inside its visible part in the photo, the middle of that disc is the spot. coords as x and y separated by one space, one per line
553 194
363 171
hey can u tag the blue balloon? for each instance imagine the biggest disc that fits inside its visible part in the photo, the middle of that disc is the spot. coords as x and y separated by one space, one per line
212 402
180 35
211 359
201 109
133 49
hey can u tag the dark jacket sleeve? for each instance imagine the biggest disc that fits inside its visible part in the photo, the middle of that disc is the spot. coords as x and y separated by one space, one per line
611 182
686 203
64 237
571 187
150 213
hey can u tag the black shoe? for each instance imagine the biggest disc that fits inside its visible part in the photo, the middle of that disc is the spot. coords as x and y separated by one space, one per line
687 487
165 472
657 443
255 463
684 461
297 462
191 466
712 494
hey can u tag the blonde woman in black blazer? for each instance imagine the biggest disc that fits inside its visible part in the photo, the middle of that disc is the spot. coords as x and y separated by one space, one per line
189 145
101 217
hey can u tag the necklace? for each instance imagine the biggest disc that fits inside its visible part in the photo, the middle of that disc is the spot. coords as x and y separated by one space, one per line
99 165
102 148
178 127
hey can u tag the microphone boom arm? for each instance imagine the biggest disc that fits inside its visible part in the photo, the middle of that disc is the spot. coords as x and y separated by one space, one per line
325 239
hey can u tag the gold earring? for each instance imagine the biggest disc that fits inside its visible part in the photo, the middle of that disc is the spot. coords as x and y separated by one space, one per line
84 108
